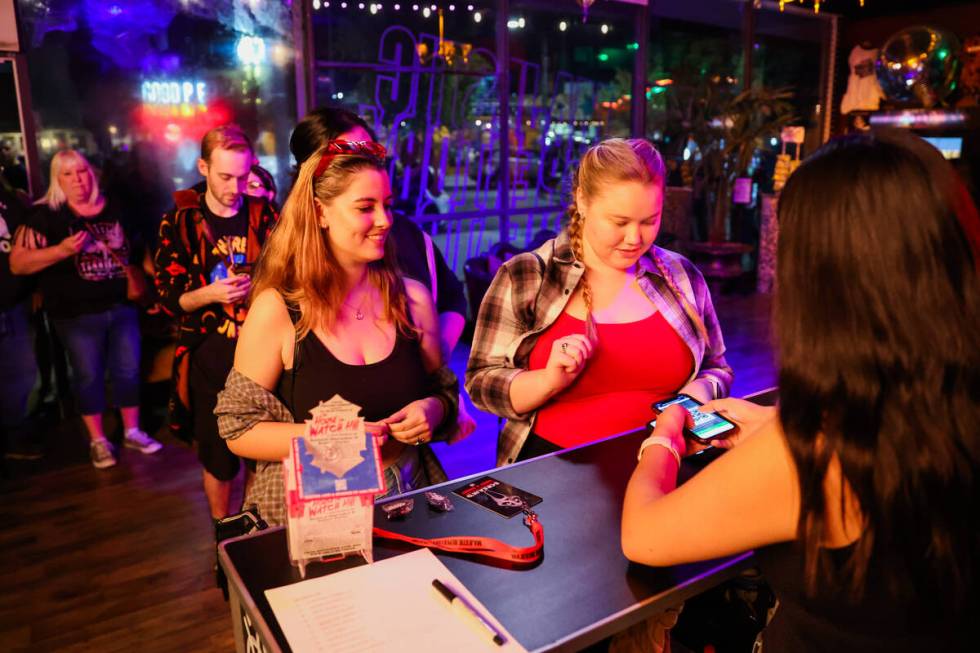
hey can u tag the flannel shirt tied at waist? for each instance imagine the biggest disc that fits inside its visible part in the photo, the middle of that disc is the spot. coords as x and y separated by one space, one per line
244 403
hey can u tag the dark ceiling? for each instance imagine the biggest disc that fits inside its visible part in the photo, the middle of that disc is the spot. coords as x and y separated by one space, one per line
872 8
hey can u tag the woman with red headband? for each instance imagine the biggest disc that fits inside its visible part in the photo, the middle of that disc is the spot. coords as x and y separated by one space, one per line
331 315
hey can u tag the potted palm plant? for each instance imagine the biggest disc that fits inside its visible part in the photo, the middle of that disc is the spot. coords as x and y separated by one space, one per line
728 133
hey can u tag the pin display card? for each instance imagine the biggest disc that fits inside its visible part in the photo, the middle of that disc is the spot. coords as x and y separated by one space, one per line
331 477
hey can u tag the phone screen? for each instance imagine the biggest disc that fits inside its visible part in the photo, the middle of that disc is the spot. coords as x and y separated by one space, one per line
707 426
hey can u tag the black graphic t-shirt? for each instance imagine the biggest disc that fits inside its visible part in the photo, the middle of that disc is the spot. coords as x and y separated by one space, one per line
92 280
229 247
230 238
13 289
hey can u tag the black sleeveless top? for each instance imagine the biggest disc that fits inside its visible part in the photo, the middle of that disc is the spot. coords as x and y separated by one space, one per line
380 388
831 621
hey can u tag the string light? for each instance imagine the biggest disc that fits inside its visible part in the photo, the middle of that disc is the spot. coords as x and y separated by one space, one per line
604 28
562 26
816 4
477 17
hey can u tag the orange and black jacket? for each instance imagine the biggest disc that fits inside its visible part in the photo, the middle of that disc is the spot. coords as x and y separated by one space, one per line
184 258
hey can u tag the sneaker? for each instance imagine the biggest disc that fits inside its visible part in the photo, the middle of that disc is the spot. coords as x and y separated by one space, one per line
101 453
137 439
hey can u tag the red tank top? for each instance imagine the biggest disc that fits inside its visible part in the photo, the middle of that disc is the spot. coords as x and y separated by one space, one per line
634 365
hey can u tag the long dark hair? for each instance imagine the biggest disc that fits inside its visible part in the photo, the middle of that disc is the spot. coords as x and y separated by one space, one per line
321 126
877 319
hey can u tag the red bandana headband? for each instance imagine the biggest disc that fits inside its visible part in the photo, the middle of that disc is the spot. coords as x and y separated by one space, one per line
340 147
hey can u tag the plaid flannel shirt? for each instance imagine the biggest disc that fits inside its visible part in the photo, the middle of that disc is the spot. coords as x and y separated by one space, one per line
244 403
528 294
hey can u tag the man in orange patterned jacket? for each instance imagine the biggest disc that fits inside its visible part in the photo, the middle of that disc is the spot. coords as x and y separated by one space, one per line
208 245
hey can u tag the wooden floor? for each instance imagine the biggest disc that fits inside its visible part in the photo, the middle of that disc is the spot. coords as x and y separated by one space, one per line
121 559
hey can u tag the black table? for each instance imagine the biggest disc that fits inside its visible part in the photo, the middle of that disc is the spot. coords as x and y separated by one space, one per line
583 589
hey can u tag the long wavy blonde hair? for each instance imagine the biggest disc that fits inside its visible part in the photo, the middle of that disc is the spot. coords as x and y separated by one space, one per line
298 262
619 160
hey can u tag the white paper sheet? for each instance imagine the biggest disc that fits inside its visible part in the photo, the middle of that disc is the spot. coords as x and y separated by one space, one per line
389 605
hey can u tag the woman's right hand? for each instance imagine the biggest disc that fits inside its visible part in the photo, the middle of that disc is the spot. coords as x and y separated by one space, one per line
73 244
747 415
569 355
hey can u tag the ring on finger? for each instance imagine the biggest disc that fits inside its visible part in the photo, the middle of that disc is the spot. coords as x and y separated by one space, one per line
564 347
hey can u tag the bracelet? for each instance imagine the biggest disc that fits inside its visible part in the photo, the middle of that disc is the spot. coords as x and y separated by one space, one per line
660 441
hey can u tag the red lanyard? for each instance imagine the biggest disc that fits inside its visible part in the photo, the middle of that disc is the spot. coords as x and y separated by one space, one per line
481 546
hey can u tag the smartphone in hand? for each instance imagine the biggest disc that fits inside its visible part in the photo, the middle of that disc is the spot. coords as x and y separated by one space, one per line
707 426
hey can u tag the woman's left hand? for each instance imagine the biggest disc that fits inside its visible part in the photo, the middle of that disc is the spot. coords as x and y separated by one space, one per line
415 423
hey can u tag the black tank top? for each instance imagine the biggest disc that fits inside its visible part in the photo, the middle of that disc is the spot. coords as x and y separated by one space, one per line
380 388
831 621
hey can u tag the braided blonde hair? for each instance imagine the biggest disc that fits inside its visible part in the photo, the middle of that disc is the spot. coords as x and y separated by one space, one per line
611 161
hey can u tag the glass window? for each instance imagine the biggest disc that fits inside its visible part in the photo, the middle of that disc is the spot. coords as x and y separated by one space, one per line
12 156
134 86
423 75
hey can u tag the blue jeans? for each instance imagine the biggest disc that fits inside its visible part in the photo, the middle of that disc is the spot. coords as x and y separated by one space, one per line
97 341
18 368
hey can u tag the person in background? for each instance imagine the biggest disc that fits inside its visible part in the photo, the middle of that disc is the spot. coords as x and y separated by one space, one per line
18 366
331 315
859 492
75 242
261 184
575 340
418 257
208 245
12 169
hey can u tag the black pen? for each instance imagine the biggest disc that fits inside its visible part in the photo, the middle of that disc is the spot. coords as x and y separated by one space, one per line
462 608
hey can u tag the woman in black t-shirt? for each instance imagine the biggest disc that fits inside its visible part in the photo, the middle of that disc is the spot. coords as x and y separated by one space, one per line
75 242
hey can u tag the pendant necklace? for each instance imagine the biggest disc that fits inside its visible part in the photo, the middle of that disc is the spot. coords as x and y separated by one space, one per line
358 312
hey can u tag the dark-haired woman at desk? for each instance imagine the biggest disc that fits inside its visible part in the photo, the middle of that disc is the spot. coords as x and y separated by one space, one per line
859 493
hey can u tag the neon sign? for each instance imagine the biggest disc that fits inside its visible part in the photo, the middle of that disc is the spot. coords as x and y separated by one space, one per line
170 92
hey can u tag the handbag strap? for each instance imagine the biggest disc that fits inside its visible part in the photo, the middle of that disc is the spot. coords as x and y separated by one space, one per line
486 547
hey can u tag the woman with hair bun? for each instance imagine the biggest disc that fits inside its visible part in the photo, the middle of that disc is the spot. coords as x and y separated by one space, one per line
575 340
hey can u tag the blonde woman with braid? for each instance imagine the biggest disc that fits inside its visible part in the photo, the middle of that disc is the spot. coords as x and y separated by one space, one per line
575 340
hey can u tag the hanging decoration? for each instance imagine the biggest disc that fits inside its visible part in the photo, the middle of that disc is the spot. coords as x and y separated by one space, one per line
918 65
585 8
